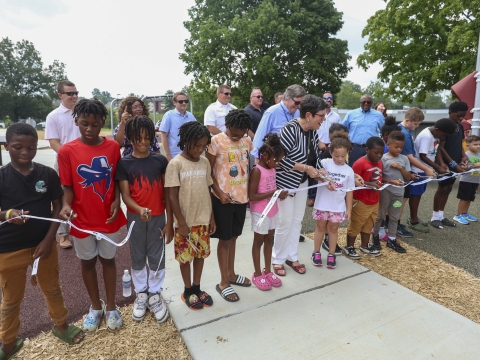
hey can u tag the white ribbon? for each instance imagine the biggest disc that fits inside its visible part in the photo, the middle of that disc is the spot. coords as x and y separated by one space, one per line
97 235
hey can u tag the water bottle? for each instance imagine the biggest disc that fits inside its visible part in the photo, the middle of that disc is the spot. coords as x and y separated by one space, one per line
127 284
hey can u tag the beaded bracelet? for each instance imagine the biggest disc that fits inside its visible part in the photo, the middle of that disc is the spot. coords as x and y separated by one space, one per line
452 164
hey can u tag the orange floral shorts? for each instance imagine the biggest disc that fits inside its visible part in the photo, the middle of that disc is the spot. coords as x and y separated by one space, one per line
197 245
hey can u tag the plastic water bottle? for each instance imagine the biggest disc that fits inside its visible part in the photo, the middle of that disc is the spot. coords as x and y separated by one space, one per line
127 284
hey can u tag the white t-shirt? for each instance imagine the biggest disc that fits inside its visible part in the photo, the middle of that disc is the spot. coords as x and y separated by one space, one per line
424 144
215 115
323 132
61 125
334 201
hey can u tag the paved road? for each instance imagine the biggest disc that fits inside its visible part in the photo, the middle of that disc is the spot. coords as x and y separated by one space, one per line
458 246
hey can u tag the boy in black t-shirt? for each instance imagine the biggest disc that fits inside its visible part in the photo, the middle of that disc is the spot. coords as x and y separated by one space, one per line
450 156
31 189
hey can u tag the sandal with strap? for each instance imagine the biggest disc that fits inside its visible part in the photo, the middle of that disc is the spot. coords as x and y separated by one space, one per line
278 268
297 268
261 283
18 346
226 292
69 334
241 281
206 299
193 302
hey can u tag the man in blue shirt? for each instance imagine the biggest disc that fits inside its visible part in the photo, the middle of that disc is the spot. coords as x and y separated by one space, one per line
362 123
276 116
171 122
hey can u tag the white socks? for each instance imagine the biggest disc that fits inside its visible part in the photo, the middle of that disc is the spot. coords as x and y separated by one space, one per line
438 215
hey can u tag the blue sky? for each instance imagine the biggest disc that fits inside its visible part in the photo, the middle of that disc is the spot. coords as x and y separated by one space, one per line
121 48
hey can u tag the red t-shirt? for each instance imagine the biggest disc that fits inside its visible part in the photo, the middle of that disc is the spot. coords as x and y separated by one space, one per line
90 171
370 172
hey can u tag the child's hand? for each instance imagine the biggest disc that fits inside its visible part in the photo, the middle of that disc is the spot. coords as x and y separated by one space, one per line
283 195
429 172
113 211
184 230
358 180
225 198
444 166
14 213
348 214
66 212
145 214
414 176
43 250
441 170
331 186
396 165
458 168
167 231
212 227
396 182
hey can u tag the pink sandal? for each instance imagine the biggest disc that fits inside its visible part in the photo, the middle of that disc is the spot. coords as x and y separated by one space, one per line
261 283
272 279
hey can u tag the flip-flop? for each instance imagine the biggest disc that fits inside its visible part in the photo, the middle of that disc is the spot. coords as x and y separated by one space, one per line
227 291
69 334
17 347
193 302
296 267
240 281
206 299
277 268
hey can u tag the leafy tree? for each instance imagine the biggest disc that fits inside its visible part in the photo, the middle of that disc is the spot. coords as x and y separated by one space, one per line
167 102
26 87
269 43
103 96
202 95
349 95
423 46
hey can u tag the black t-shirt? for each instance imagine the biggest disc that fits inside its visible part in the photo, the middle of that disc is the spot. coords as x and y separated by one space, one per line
453 144
35 193
256 114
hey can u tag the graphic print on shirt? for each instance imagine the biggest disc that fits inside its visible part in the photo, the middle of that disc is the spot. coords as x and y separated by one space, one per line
375 175
98 175
144 184
474 161
232 158
40 186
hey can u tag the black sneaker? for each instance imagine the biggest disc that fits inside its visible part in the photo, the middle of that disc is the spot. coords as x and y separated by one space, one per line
301 239
376 242
392 244
448 222
370 250
403 232
316 259
326 246
351 253
436 224
331 263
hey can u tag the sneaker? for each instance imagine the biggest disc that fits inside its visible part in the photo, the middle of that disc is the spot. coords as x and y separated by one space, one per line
469 217
331 263
113 319
157 307
436 224
316 259
326 246
448 222
392 244
93 319
351 253
140 306
461 219
376 242
403 232
420 227
370 250
261 283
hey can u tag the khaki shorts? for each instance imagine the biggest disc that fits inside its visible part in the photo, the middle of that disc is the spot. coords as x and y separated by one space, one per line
89 247
362 219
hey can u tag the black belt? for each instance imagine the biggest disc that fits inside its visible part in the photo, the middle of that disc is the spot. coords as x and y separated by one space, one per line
361 145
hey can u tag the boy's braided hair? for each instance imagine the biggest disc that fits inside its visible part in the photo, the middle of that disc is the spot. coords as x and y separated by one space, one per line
90 107
135 125
190 133
238 119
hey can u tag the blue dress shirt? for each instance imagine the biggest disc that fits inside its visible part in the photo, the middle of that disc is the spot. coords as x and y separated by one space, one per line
362 125
171 122
273 120
408 146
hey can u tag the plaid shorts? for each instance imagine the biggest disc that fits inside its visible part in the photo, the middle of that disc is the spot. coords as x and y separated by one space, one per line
199 237
330 216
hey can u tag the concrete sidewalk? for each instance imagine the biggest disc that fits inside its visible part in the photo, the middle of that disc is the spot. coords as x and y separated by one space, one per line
348 312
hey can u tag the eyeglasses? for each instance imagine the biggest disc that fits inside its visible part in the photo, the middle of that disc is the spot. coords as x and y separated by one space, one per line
231 136
321 115
366 102
137 107
258 96
227 93
70 93
182 101
328 98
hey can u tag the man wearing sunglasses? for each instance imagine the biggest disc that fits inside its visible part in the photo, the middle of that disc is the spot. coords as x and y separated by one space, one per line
171 122
276 116
362 123
331 117
214 117
60 129
257 107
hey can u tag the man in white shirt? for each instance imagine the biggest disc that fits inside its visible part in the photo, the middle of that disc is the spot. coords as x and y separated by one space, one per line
214 118
331 117
60 129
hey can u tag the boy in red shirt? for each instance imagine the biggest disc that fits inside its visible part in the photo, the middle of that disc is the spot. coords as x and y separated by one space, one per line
87 172
365 202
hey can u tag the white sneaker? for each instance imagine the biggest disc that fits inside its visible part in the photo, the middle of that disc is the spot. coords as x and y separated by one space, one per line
158 308
140 307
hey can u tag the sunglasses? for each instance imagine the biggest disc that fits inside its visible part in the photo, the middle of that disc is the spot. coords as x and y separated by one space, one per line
328 98
182 101
297 103
258 97
227 93
70 93
365 102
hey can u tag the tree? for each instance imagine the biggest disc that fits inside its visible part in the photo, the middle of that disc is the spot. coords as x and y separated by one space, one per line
168 101
423 46
26 88
349 95
202 95
269 43
103 96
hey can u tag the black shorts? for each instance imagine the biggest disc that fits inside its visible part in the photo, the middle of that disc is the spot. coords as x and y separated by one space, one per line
406 192
466 191
229 219
447 182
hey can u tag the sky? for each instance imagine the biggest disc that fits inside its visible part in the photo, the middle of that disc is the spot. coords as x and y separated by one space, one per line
133 46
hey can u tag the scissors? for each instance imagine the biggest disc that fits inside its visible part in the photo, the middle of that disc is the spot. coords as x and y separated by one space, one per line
23 217
71 215
146 212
